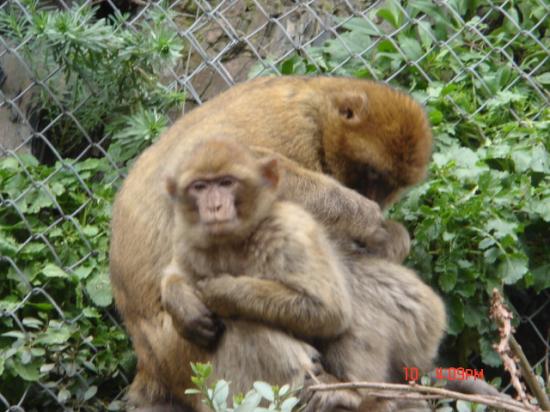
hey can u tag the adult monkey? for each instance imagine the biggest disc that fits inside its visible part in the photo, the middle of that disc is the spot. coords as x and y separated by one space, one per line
368 136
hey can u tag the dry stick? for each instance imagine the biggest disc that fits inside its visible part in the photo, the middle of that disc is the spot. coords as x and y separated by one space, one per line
502 403
503 317
529 376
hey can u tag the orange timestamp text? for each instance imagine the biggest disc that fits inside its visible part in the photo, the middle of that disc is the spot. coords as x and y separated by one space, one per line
449 374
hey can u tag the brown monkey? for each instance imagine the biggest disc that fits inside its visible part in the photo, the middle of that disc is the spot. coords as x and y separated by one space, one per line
369 137
257 260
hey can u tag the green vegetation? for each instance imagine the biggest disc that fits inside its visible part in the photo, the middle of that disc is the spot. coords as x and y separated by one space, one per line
481 220
216 395
56 326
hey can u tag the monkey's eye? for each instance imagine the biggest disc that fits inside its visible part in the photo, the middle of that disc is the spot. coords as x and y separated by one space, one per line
227 182
198 186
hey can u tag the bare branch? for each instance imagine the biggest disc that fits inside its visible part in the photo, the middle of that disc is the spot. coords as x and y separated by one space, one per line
399 391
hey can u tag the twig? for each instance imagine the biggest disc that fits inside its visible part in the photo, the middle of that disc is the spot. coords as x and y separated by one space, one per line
439 393
529 376
503 317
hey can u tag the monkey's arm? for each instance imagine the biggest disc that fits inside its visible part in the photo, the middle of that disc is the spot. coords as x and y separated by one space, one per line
344 212
392 243
190 317
300 285
268 301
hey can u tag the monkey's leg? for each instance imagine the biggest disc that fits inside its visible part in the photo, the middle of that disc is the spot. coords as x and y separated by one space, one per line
247 352
164 371
398 322
252 352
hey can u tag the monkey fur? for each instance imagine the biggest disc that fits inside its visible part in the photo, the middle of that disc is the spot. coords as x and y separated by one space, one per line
259 262
337 140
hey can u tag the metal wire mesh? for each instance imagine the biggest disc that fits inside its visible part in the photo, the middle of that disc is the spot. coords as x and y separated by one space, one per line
224 41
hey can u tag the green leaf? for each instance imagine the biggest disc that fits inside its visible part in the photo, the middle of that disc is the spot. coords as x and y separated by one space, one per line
99 289
425 34
473 315
447 280
513 268
543 78
32 323
541 277
486 242
9 163
289 404
456 318
265 390
8 246
501 228
54 271
488 354
411 47
463 406
90 392
221 392
116 406
90 231
54 335
359 24
63 395
29 372
82 272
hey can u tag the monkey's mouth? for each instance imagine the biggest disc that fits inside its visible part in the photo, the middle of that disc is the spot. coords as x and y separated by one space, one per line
222 226
370 183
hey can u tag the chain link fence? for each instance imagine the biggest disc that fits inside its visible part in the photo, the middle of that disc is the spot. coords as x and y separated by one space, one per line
62 344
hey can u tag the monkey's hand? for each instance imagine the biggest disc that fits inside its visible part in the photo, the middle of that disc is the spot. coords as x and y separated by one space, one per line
213 292
391 241
199 325
190 316
345 212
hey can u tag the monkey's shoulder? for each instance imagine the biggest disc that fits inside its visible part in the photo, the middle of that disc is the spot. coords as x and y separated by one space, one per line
294 219
283 239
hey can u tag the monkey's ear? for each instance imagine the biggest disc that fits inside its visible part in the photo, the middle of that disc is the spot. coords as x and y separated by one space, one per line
171 186
270 171
351 106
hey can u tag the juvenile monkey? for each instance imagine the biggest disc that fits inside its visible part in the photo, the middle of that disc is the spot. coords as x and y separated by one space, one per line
256 259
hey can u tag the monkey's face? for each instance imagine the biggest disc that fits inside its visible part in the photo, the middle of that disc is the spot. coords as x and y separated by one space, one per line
377 186
379 141
214 203
222 193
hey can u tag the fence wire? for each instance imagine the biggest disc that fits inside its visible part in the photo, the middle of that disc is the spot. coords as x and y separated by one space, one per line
223 43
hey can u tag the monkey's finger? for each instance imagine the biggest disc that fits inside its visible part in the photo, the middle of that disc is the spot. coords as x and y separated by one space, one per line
208 334
206 322
201 341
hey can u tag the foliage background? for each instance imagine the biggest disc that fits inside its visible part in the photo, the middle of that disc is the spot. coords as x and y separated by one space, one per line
104 84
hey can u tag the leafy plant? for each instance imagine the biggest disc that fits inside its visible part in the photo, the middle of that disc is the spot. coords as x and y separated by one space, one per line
54 329
101 78
482 219
215 395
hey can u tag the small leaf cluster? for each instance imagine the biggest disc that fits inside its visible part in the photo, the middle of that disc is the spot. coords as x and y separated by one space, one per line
57 338
482 218
98 77
215 396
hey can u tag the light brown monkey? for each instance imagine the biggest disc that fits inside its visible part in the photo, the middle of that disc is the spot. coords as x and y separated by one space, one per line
368 136
256 259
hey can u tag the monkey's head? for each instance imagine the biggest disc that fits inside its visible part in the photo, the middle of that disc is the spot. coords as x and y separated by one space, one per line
222 191
377 140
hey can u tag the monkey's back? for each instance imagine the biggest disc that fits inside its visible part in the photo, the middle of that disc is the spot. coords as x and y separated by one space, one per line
290 116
